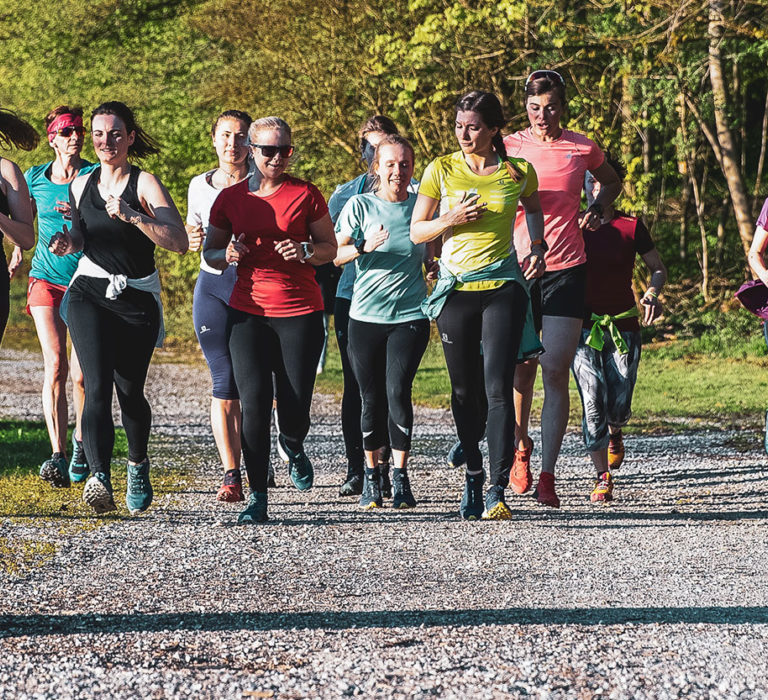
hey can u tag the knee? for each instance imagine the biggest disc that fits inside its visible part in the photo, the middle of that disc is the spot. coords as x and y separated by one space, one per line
555 375
56 369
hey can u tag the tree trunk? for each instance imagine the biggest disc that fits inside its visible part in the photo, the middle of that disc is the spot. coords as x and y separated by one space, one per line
684 206
756 203
721 222
698 198
730 162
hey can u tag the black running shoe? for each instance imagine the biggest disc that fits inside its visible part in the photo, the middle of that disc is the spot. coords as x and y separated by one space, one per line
55 471
403 496
371 497
98 493
353 484
471 507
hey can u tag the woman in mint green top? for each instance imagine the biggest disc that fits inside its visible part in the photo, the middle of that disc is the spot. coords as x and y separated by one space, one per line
48 279
388 332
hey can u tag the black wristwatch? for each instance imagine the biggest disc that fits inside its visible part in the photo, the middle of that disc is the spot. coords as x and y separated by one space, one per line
597 208
360 246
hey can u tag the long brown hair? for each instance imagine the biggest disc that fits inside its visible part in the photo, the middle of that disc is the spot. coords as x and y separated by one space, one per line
14 131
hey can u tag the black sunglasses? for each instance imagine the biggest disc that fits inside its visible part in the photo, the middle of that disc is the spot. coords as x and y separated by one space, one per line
67 131
538 74
272 151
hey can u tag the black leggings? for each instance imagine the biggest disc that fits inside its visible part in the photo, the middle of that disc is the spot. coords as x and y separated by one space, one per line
351 404
385 357
114 341
290 348
494 318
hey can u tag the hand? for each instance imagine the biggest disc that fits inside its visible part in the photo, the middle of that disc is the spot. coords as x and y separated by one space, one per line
61 242
289 249
15 262
468 209
236 250
64 209
652 308
590 220
195 234
432 268
118 209
376 240
533 264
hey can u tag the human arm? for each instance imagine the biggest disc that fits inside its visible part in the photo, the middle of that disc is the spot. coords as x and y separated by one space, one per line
652 307
17 227
14 264
68 240
610 189
163 225
323 244
533 264
220 250
424 228
755 255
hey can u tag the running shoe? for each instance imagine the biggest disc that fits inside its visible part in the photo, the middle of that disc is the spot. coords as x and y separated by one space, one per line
603 490
495 506
138 495
371 496
456 456
54 471
299 467
520 477
231 491
545 490
615 450
255 511
353 484
403 496
98 493
78 465
471 507
384 480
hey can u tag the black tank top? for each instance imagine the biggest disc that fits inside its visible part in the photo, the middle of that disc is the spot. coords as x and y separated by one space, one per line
117 246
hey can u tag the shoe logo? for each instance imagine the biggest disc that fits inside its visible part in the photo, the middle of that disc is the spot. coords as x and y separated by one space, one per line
444 338
204 328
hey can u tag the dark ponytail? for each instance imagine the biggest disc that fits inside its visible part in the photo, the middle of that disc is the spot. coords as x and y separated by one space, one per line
143 144
14 131
487 105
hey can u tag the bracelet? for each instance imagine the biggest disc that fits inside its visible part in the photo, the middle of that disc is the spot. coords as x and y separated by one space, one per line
649 293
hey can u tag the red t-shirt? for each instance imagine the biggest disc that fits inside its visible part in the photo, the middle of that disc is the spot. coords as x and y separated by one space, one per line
268 285
611 252
560 166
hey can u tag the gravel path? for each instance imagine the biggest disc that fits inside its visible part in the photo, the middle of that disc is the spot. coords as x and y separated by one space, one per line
662 594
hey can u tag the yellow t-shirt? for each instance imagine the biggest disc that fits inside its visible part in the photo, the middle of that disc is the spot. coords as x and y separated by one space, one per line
477 243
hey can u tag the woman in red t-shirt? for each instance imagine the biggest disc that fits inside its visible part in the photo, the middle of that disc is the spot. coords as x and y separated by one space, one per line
274 227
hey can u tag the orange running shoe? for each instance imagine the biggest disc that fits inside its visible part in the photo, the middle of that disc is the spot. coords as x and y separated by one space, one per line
520 477
545 491
231 491
603 490
615 450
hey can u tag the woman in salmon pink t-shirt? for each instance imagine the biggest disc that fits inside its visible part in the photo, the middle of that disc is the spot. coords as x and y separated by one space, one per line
275 228
561 158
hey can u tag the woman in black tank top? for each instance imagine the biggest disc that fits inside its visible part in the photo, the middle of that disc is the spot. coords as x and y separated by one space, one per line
119 214
15 207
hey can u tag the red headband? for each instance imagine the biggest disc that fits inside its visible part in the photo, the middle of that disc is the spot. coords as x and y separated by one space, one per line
62 121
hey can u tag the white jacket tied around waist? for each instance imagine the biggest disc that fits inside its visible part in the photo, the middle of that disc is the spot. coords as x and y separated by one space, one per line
118 283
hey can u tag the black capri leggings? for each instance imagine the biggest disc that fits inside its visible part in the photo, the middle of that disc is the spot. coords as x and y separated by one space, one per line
385 357
494 318
114 340
290 348
351 405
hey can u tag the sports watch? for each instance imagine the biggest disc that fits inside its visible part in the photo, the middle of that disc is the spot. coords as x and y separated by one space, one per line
307 251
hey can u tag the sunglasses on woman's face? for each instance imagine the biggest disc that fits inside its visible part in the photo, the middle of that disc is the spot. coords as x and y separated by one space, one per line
538 74
67 131
272 151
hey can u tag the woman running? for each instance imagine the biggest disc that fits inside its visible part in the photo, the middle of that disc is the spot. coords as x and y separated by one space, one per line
281 228
561 158
608 354
112 307
213 290
482 294
388 332
49 276
15 208
370 135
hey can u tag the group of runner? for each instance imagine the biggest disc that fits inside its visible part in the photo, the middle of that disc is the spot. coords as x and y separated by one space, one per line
521 277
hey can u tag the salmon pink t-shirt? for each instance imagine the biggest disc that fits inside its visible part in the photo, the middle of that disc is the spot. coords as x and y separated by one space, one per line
560 166
267 284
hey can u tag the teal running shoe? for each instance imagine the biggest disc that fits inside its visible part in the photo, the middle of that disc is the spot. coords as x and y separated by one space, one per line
495 506
299 467
403 496
54 471
78 464
255 511
371 496
471 507
138 496
98 493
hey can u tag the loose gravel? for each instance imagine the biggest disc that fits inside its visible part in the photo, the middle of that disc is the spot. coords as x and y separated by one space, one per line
661 594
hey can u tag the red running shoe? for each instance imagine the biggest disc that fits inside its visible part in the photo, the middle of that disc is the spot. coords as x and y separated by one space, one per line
231 490
520 477
545 491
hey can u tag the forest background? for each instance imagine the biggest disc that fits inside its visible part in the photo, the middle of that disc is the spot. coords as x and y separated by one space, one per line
677 89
